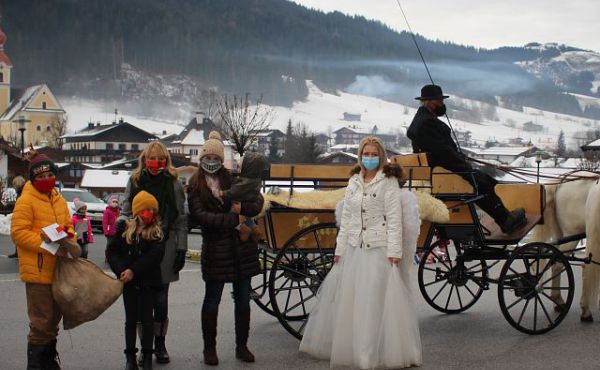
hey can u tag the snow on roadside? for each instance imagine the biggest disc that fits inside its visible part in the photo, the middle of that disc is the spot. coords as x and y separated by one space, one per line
5 224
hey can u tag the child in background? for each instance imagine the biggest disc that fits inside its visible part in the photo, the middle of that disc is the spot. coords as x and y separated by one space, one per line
134 255
246 188
83 226
109 220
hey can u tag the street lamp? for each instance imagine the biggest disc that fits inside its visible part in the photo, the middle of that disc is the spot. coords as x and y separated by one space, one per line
22 121
538 160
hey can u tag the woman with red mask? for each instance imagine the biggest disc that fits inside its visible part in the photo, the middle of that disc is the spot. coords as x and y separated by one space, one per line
41 205
156 175
134 255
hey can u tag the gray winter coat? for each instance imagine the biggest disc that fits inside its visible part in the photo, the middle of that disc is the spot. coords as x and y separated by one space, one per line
177 234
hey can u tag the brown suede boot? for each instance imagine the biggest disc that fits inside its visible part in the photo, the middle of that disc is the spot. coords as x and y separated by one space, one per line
244 232
209 334
242 328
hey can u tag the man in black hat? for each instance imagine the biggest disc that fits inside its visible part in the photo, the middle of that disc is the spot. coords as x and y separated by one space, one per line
431 135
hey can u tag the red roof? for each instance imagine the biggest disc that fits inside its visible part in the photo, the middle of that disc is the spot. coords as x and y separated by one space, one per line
3 57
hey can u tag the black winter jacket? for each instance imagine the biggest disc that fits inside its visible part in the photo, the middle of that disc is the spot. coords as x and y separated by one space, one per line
225 258
431 135
143 257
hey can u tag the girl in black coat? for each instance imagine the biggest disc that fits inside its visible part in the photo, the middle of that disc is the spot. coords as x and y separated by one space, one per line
225 258
134 255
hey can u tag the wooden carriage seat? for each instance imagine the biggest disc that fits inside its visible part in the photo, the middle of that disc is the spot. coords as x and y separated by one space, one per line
417 173
308 172
531 197
416 169
324 176
444 182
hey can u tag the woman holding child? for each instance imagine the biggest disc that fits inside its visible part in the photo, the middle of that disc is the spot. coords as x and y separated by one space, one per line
225 257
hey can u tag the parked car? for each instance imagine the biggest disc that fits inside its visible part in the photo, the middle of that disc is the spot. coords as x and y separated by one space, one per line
95 206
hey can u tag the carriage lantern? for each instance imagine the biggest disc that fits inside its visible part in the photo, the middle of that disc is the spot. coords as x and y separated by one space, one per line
538 160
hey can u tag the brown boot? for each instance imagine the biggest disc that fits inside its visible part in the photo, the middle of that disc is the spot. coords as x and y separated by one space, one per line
209 334
244 232
242 328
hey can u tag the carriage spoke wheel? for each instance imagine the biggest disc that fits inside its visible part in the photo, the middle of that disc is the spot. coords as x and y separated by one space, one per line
260 291
529 287
297 273
448 282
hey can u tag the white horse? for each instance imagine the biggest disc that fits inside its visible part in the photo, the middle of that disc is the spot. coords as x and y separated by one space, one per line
573 207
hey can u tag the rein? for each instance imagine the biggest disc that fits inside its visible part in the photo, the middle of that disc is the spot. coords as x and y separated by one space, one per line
521 173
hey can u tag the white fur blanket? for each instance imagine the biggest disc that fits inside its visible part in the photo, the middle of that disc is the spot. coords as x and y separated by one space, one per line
430 208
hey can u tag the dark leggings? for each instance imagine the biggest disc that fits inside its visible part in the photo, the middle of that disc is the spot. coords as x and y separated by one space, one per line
161 304
491 203
138 303
84 250
214 290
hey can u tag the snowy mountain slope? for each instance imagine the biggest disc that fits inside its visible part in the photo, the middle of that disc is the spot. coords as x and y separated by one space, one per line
574 69
82 111
586 101
323 113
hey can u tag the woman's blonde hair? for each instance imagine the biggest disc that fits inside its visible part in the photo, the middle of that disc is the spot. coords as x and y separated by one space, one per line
135 174
375 141
149 232
18 182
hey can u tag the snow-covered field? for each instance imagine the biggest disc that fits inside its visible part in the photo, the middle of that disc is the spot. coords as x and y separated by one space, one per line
80 112
323 113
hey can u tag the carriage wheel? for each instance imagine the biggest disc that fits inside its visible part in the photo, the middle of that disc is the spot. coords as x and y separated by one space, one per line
260 290
526 291
297 273
448 282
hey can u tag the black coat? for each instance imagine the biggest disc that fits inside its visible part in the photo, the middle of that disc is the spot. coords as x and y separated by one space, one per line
143 257
431 135
225 258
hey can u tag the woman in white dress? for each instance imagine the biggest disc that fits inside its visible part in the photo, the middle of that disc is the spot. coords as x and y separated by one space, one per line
364 315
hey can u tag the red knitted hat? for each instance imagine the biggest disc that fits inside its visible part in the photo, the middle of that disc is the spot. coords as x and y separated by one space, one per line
41 163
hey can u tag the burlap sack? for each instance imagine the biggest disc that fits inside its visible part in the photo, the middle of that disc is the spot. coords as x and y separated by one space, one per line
82 290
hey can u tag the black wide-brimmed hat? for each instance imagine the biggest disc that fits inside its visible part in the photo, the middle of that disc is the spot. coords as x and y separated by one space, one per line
431 92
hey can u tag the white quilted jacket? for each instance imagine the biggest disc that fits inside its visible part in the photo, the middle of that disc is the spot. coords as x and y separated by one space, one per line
378 215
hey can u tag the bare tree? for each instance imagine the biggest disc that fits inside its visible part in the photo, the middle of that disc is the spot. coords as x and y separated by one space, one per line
57 129
241 120
208 101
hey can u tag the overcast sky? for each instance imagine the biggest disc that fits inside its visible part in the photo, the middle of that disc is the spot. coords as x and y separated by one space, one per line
486 24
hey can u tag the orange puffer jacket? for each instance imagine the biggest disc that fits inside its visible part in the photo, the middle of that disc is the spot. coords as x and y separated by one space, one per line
33 211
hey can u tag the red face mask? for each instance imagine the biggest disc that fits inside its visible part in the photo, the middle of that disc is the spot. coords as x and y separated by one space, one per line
45 185
147 216
155 166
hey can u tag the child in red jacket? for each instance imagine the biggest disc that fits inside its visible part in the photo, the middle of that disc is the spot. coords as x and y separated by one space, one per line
109 220
83 226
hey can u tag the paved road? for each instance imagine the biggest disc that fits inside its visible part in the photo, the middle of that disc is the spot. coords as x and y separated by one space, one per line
477 339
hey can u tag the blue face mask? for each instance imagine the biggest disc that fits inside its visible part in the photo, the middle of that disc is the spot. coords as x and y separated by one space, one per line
370 163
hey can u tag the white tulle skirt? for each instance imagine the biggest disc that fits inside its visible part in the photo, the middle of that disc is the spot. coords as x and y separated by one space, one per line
364 316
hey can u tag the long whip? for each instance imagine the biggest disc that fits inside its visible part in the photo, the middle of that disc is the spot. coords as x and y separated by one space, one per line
412 34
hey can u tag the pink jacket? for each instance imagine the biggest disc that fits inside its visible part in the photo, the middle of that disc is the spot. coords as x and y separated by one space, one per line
109 220
81 228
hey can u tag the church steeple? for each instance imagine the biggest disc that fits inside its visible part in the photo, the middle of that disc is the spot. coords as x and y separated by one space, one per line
5 75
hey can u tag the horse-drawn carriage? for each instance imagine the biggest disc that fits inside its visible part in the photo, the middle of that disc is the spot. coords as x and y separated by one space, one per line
457 257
